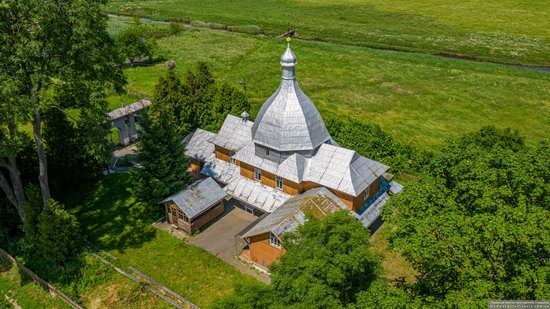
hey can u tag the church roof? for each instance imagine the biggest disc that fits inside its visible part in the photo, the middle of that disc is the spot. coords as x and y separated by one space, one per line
234 133
318 203
288 120
197 145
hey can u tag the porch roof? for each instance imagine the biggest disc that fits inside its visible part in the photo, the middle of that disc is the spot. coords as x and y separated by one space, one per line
198 197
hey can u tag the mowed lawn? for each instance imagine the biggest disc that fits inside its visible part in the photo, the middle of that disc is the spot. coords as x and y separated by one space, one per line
507 31
114 220
421 99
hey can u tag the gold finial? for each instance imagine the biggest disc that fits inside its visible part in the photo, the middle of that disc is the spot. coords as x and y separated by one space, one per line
288 39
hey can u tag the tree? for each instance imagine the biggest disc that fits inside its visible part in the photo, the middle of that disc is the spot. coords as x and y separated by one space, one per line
199 90
133 44
47 46
327 264
169 92
227 100
84 141
58 232
477 225
162 157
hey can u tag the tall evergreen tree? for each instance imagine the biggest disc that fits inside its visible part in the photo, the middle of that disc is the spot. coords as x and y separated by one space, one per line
199 91
161 153
227 100
169 93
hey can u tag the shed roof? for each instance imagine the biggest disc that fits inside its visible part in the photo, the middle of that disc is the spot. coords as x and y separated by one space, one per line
317 203
128 109
198 197
234 133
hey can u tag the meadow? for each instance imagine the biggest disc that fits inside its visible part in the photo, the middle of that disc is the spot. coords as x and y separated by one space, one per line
510 31
421 99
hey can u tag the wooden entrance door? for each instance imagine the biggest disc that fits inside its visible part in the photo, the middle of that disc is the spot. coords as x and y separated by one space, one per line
174 215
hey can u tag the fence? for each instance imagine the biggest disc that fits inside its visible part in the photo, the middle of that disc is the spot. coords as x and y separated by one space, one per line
39 280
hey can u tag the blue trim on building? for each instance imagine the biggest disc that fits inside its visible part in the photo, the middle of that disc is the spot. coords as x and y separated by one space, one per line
384 187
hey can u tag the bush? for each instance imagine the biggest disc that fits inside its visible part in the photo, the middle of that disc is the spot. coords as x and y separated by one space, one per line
33 208
9 221
59 233
176 27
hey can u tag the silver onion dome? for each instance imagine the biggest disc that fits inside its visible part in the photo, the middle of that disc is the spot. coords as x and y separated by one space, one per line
288 120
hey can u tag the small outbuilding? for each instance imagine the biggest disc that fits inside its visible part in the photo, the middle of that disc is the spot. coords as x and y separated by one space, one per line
197 205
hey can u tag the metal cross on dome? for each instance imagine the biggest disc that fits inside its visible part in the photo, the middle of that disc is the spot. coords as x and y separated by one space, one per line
289 34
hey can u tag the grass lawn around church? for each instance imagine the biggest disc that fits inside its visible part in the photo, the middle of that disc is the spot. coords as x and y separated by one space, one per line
112 219
417 98
505 31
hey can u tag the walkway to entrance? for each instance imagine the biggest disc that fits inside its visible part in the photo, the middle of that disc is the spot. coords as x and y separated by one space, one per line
219 239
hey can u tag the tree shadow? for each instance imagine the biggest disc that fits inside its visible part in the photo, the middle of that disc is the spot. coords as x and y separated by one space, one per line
110 215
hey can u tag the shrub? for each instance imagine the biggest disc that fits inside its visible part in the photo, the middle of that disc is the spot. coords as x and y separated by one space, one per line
59 233
176 27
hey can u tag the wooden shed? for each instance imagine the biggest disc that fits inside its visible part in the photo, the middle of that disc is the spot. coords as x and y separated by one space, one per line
198 204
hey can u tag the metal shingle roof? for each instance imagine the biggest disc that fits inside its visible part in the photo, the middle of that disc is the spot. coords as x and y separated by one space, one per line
220 170
128 109
288 120
234 133
374 211
255 194
197 145
317 202
198 197
343 169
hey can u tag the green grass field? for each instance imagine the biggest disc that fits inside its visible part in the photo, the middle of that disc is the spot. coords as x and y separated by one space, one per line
112 219
24 292
421 99
506 31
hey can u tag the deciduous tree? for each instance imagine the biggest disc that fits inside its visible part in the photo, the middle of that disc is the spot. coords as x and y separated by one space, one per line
48 45
477 225
133 44
327 264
